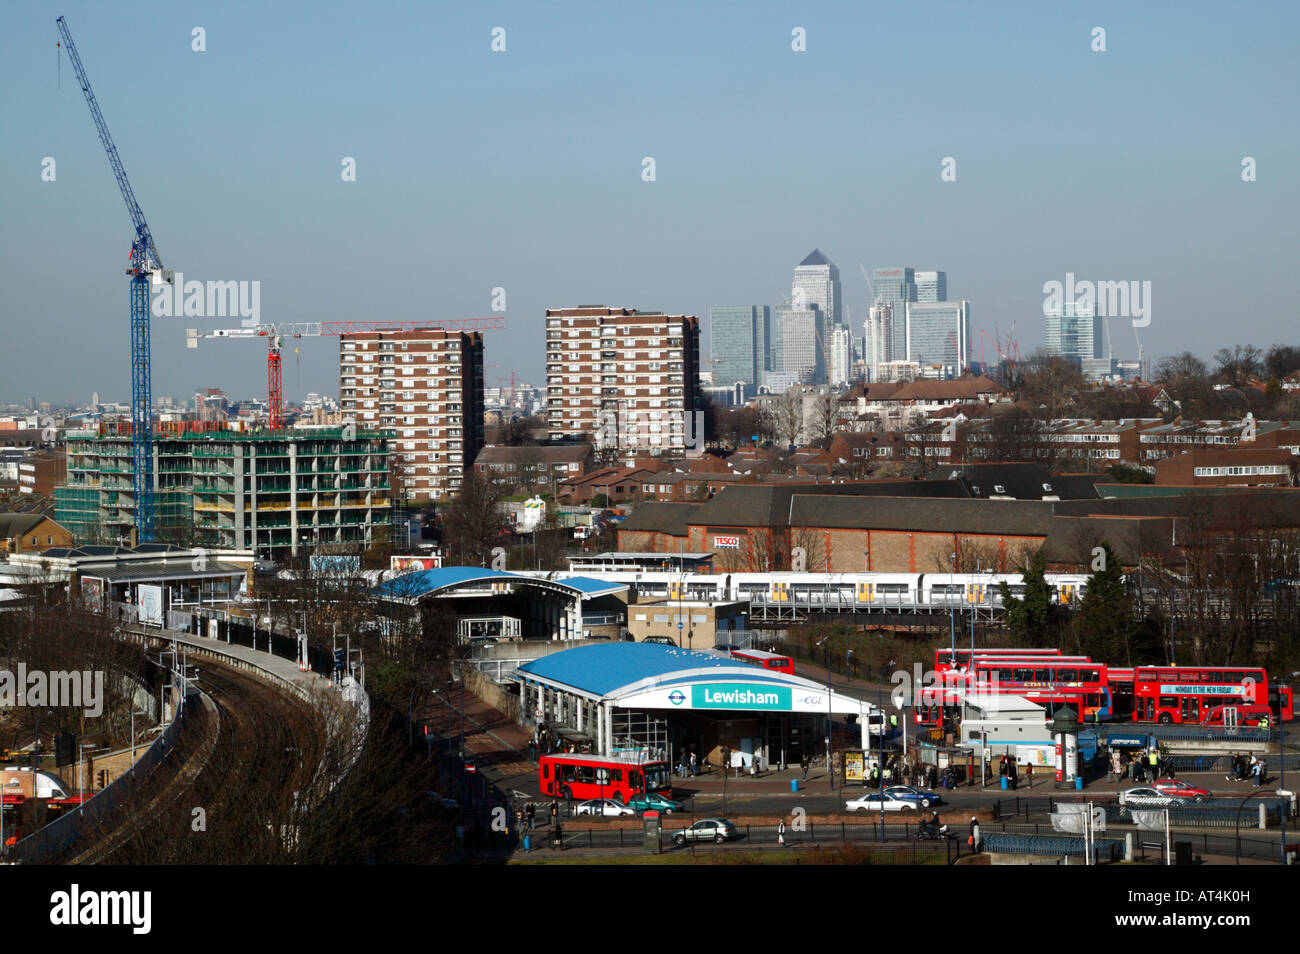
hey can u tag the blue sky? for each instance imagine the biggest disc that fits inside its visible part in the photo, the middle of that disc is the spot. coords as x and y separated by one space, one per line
522 169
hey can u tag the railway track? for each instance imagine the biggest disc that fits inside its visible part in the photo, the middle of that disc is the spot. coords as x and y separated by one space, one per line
228 792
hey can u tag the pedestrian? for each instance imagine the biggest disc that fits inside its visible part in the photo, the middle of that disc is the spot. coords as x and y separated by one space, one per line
693 773
1011 773
780 833
1153 762
532 816
1029 774
1256 771
973 839
532 751
803 764
1263 771
555 812
1115 765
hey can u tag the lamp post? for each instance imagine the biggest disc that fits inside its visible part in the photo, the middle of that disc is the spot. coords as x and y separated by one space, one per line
1281 762
952 607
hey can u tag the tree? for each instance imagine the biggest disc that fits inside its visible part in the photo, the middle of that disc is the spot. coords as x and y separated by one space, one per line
1237 364
1052 382
787 416
517 430
1186 378
1105 620
474 520
1282 360
1029 617
1016 435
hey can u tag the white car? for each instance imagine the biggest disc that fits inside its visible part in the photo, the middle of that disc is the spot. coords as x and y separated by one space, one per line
603 806
872 803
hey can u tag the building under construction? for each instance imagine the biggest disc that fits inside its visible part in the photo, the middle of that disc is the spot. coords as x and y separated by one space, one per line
276 493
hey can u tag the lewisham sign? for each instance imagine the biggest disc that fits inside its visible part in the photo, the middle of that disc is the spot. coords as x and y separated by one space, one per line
736 696
731 695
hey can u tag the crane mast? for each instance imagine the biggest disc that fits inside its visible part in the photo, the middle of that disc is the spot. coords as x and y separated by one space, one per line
145 266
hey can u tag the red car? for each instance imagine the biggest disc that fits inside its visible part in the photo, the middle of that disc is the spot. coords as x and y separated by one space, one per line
1176 786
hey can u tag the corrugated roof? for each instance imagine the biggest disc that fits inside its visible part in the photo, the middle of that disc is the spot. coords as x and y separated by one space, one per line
611 666
1013 517
659 518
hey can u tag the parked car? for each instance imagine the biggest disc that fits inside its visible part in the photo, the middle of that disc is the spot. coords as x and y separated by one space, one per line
603 806
710 829
1176 786
1148 797
920 796
871 802
661 640
655 802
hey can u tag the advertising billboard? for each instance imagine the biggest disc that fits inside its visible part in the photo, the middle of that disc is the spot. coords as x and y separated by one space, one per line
149 599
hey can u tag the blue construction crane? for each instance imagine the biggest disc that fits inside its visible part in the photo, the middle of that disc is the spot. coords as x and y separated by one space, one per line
146 266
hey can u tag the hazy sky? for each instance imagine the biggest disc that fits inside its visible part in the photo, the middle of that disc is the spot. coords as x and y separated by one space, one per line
523 169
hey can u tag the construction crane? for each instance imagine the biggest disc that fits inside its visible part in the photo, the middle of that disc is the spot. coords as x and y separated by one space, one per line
276 333
145 265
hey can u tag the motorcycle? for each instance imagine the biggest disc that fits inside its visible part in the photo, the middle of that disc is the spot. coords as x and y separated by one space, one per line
928 832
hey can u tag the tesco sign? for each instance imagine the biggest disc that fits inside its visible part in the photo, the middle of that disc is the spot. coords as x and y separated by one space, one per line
726 543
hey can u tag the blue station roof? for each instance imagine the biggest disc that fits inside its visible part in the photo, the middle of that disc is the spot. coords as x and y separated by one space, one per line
425 582
610 666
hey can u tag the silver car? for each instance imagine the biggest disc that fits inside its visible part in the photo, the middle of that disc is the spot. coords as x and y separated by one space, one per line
1147 797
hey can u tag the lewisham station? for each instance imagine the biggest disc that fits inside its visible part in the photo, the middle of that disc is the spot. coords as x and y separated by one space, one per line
619 698
646 700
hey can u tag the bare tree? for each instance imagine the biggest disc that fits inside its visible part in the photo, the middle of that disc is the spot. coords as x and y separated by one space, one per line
474 520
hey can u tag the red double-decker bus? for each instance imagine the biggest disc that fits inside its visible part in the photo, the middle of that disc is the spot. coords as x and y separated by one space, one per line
1183 694
580 777
765 660
1043 676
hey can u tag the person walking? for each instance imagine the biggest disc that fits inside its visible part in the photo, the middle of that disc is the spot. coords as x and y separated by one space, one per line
803 764
1256 772
1012 772
1029 774
973 839
693 772
532 751
780 834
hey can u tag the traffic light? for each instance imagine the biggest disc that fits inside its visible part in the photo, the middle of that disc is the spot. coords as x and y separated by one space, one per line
338 660
428 730
103 778
65 746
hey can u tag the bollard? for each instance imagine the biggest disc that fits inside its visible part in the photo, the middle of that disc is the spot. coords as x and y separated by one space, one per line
1128 846
1263 815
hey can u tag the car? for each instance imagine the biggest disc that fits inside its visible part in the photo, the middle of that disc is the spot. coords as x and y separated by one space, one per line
910 793
661 640
872 802
716 830
603 806
1176 786
654 802
1148 797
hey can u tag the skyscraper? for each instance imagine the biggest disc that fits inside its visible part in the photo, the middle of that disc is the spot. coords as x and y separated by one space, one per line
938 333
840 370
1074 331
740 343
931 286
895 287
817 282
879 329
803 344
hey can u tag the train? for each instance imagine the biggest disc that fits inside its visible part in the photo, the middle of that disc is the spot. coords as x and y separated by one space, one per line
838 590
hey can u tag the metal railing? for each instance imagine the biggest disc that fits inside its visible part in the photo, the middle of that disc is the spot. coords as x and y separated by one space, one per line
1105 849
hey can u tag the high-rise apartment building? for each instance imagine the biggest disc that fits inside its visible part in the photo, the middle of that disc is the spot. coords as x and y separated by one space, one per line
740 343
840 371
938 335
879 347
817 283
425 386
629 379
1074 332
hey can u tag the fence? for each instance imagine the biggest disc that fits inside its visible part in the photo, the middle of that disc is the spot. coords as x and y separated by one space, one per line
1012 843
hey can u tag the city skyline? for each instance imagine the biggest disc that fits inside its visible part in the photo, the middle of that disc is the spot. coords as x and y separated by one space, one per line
468 179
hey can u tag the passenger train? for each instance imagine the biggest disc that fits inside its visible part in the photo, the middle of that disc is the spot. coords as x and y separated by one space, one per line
839 590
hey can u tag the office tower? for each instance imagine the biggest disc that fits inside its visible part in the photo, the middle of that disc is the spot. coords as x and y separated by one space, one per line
1074 331
817 282
938 334
740 343
426 386
803 344
840 371
628 379
895 287
879 328
931 286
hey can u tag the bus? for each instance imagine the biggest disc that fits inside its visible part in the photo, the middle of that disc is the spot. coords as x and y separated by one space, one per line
765 660
960 658
1183 694
1045 677
581 777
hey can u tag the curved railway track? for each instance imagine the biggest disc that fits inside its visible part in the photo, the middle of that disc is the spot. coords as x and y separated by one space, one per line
226 794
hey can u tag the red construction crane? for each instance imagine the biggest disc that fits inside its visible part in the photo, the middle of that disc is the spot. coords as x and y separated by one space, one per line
275 333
